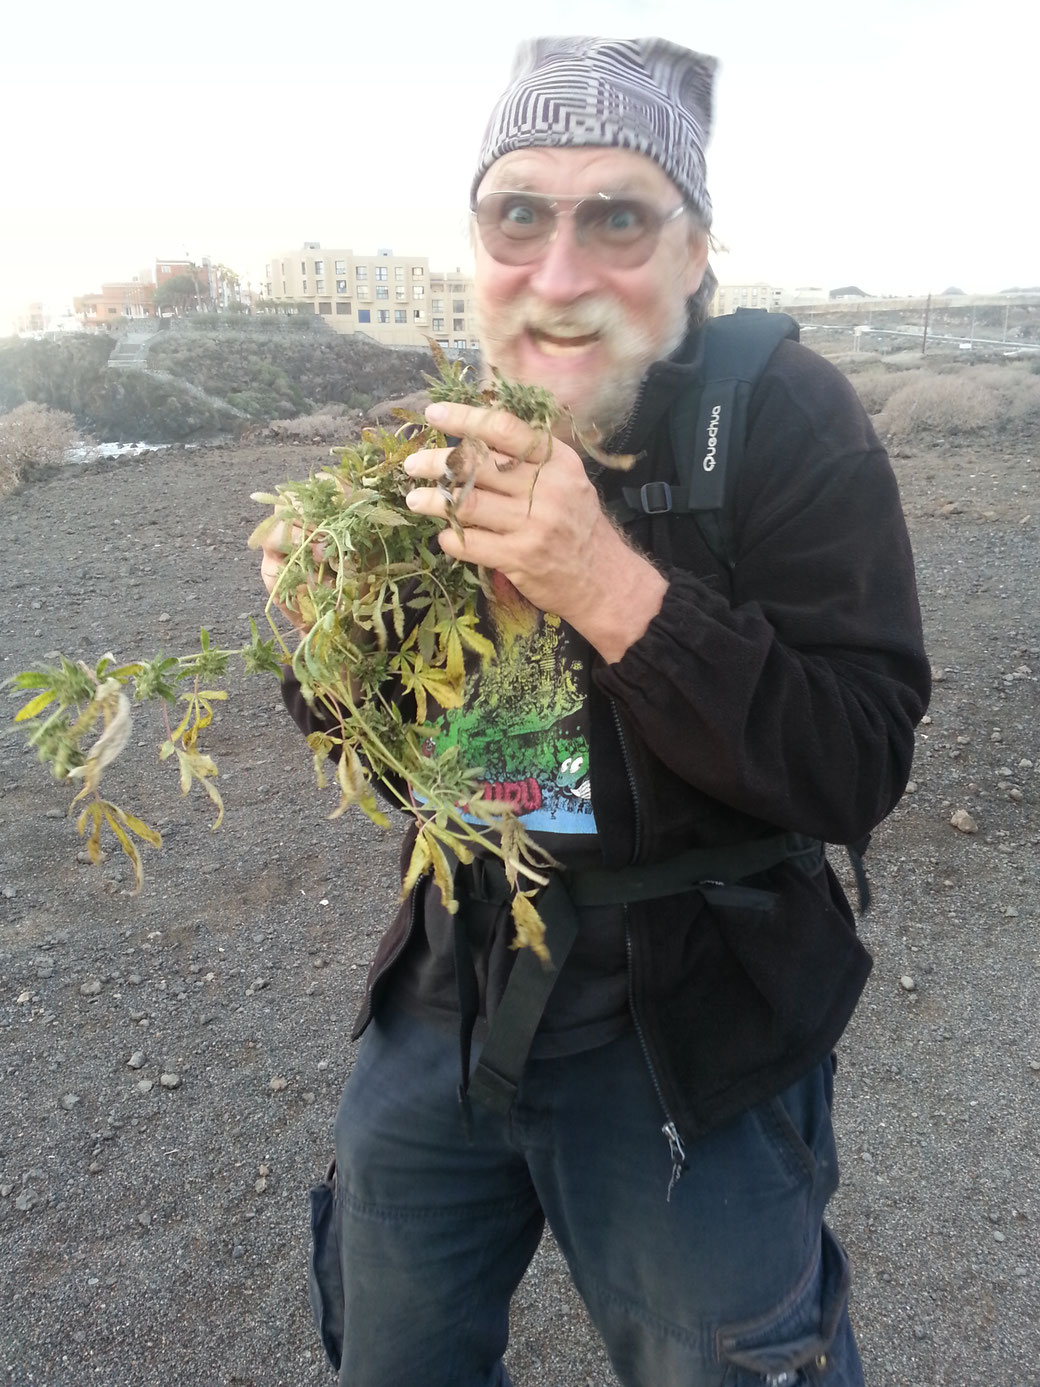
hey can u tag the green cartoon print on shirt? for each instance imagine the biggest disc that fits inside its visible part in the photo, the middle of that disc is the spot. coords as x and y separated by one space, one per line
525 724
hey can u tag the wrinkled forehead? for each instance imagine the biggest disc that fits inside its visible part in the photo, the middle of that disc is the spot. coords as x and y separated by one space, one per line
618 172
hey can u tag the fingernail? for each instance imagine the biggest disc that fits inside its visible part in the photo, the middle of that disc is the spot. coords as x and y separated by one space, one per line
436 414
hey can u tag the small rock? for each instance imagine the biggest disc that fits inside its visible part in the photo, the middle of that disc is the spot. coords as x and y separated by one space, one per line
1016 795
145 1085
1035 1066
137 1060
69 1101
238 1252
963 822
144 1218
170 1080
260 1185
90 988
24 1202
10 891
998 1236
277 1084
911 787
907 983
95 1167
1011 912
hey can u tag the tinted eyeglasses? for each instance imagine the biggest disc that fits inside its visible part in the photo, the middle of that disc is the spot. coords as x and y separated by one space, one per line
515 227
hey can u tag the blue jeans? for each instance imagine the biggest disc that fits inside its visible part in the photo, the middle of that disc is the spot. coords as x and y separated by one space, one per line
733 1281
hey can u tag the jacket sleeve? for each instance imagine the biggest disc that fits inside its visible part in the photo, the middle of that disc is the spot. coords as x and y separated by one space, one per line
793 699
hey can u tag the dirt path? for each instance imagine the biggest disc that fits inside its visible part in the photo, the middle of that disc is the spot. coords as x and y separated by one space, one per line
156 1233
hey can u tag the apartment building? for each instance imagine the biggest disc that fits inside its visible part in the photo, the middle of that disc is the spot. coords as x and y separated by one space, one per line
396 300
732 296
127 299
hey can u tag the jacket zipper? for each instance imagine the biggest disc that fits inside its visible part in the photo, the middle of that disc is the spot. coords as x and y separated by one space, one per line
630 774
676 1150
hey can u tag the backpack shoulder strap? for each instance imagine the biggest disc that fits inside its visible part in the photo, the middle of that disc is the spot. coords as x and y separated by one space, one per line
709 424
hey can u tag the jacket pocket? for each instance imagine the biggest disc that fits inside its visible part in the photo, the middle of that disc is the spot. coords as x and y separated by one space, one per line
324 1273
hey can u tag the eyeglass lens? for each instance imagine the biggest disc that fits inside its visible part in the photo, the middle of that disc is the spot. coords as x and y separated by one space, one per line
516 227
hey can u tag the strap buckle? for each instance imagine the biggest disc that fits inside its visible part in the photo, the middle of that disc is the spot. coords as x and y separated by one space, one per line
655 498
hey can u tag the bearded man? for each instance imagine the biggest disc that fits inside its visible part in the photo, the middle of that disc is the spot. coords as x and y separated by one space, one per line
661 1096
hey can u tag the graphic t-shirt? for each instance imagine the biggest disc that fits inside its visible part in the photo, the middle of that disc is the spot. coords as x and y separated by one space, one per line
525 721
525 724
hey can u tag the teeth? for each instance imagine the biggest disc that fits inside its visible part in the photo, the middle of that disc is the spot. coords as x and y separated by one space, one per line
563 346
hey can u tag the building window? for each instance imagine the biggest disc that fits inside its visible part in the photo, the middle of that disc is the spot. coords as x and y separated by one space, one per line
283 289
164 269
418 272
436 286
360 271
400 292
400 315
341 267
458 305
304 286
458 325
362 291
303 267
458 288
364 315
382 292
381 272
418 315
324 307
473 343
418 291
383 315
398 272
341 286
437 306
438 324
319 267
319 284
344 308
459 344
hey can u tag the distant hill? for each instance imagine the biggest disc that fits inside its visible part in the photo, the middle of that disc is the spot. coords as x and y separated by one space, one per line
202 380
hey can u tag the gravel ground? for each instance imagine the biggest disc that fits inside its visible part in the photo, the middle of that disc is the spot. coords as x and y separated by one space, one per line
170 1063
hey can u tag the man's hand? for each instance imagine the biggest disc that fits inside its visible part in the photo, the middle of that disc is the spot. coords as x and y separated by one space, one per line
280 542
539 522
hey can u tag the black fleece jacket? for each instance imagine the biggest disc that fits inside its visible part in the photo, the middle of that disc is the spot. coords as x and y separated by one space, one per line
781 694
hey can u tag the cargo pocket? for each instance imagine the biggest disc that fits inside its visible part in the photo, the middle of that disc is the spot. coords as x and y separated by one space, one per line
798 1343
324 1273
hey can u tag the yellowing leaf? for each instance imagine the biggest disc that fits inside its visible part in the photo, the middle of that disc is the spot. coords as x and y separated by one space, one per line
34 706
129 847
530 927
417 864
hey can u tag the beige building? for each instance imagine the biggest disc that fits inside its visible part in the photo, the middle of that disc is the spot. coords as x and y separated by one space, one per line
397 300
731 296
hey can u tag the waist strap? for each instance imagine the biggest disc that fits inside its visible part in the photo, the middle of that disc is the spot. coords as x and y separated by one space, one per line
496 1076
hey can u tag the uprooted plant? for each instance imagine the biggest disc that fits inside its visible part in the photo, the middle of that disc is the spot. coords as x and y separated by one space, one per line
388 623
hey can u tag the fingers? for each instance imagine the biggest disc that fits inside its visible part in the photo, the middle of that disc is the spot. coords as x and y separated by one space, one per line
492 468
502 432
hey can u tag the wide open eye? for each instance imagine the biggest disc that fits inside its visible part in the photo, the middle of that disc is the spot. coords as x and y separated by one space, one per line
621 221
522 217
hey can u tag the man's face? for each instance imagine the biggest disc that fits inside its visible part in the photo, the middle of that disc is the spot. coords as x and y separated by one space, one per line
569 320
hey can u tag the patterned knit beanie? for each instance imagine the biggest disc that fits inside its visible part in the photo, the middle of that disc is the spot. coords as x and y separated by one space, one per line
647 95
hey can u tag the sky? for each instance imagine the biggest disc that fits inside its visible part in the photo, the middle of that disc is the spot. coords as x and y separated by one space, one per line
888 145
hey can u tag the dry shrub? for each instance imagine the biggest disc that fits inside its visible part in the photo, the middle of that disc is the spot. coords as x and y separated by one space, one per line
975 400
876 387
31 436
311 428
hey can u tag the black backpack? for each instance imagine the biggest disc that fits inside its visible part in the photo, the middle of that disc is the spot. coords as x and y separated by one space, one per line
709 427
708 434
